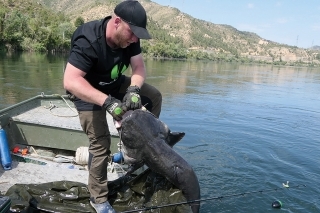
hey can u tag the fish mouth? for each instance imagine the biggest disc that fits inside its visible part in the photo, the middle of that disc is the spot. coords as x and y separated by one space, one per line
129 114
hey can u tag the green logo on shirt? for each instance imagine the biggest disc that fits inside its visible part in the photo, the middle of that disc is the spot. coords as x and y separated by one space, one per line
115 72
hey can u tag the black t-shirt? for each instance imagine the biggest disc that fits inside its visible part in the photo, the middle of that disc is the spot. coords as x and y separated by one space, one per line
91 54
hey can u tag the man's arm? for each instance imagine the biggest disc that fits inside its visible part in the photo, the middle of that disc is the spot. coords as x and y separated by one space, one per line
138 71
74 82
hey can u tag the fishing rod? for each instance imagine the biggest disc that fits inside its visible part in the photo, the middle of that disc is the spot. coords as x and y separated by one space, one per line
212 198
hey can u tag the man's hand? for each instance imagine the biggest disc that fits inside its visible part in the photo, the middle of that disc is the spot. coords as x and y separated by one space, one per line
114 107
132 99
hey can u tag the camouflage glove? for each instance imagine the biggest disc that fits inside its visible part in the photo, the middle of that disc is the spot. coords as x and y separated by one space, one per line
113 107
132 99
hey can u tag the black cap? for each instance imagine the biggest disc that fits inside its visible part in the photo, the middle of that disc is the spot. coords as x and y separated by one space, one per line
134 14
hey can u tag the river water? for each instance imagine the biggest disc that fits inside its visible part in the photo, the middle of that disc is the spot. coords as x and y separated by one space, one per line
249 128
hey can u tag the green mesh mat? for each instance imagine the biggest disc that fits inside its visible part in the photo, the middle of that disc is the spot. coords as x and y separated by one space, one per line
125 194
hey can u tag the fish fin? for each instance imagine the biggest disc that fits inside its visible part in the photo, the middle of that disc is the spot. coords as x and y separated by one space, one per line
174 137
133 167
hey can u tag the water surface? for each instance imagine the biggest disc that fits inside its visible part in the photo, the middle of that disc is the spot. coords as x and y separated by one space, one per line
248 127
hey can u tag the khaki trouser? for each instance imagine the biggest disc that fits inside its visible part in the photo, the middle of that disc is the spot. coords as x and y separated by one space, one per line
95 125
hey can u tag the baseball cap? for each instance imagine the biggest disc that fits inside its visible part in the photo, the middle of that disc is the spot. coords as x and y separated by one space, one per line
134 14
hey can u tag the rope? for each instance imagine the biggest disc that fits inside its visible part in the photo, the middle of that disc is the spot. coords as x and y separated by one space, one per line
211 198
120 143
52 106
119 166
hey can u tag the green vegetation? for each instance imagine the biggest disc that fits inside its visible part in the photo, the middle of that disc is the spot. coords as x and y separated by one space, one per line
32 27
79 21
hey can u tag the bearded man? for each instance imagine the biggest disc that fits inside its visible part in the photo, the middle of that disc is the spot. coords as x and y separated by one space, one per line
100 53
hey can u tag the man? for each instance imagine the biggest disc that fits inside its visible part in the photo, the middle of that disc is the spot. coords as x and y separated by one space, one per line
100 52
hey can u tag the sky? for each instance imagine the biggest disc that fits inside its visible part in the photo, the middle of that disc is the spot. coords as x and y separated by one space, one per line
291 22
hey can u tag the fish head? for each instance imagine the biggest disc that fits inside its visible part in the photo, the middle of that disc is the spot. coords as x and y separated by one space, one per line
138 127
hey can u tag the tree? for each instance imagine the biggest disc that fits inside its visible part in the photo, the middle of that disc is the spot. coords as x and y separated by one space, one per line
79 21
15 27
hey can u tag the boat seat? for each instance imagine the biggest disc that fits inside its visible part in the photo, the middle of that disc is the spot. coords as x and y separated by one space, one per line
60 117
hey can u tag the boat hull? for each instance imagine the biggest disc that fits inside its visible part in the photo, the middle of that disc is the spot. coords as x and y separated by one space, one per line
48 121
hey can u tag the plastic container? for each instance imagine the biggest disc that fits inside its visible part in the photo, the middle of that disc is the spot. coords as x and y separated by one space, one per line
5 155
117 157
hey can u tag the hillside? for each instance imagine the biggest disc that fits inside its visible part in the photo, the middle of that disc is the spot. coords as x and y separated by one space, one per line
169 23
193 33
